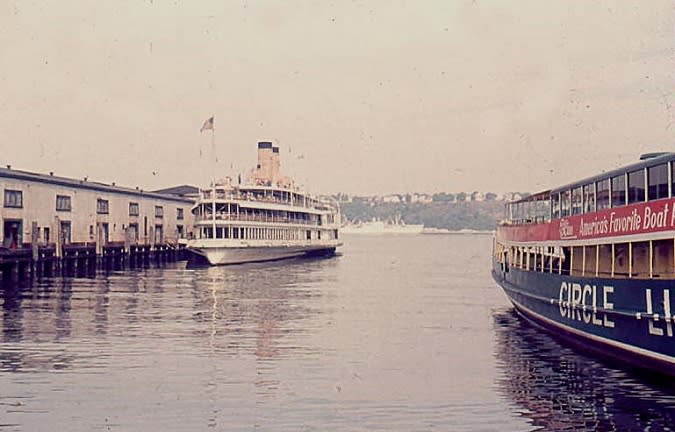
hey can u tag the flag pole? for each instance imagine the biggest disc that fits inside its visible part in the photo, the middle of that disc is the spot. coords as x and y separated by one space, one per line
213 175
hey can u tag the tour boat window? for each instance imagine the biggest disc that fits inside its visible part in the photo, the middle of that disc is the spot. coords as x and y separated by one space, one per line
576 200
602 194
636 186
662 258
555 205
657 178
565 203
640 255
619 191
542 210
621 260
589 198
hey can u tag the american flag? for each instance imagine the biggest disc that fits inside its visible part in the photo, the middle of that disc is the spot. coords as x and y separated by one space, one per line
208 124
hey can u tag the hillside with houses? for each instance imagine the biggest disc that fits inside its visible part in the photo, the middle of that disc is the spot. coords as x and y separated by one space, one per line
444 210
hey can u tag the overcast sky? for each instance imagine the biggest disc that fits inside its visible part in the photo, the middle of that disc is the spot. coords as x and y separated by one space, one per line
361 97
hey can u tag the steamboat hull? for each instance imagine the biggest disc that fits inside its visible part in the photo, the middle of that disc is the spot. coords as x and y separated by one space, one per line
242 255
625 320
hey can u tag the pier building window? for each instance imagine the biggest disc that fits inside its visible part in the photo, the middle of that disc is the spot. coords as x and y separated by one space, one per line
576 200
179 214
102 206
619 191
589 198
636 186
134 209
602 194
565 198
180 231
159 211
63 203
657 179
45 232
13 198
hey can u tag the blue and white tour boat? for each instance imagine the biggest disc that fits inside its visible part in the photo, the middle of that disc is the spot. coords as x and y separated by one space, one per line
593 261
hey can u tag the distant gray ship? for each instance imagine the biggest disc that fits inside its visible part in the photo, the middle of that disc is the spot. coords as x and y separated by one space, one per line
377 226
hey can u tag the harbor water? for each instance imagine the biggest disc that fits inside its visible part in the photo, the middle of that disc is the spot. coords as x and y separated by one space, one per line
398 333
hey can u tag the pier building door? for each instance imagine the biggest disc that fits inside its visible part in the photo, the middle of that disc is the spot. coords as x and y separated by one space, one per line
65 232
159 234
133 232
12 237
105 232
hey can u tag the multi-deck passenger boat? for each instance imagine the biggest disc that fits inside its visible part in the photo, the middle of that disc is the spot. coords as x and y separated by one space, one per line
593 261
266 218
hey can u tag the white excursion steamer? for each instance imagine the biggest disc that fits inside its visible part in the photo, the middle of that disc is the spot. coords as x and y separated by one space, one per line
265 219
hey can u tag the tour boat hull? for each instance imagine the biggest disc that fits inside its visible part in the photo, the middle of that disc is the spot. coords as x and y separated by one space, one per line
629 320
226 255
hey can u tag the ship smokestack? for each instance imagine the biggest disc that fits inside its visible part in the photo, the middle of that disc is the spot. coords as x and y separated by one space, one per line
265 164
276 164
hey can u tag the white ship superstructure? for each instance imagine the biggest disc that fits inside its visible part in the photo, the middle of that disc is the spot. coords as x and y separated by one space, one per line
266 218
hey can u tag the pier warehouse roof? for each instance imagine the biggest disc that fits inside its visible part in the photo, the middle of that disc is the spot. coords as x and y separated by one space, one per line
86 184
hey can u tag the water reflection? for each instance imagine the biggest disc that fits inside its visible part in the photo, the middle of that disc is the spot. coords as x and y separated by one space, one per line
559 389
262 301
233 311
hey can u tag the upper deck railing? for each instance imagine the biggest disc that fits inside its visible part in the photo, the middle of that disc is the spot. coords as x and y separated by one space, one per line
290 198
208 217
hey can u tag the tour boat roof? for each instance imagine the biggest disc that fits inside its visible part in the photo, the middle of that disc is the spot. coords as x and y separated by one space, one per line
647 160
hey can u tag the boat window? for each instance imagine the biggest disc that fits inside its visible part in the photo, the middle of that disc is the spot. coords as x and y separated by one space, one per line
636 186
589 198
662 258
576 200
657 177
589 255
565 203
621 259
604 260
640 260
577 260
602 194
555 205
542 210
619 190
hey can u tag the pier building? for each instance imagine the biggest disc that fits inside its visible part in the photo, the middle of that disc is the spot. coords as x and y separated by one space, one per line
47 215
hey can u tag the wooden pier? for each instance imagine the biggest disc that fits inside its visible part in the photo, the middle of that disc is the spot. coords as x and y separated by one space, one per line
26 263
52 225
